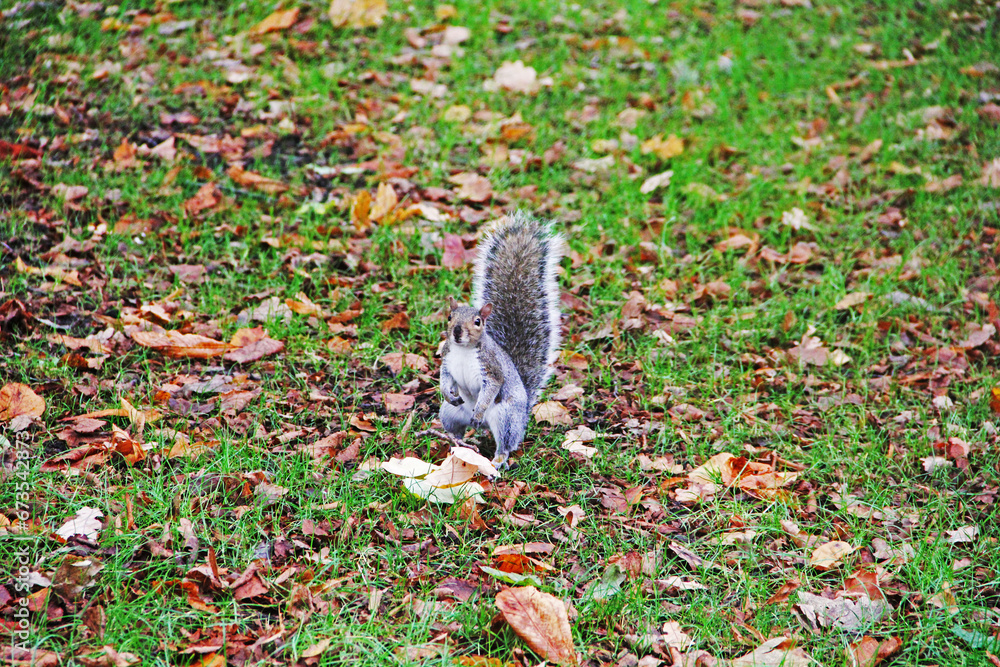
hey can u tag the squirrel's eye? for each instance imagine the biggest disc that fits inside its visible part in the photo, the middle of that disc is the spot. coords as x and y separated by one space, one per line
477 322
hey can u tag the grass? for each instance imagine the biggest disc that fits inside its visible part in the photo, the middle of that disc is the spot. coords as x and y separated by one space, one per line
365 580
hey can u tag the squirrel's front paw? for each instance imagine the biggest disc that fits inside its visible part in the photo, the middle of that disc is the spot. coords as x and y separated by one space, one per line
455 400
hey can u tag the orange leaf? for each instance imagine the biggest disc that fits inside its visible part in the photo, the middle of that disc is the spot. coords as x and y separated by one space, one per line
18 399
178 345
279 20
398 321
256 181
541 621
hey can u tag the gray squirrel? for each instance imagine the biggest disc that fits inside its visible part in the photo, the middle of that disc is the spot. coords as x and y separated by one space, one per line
498 353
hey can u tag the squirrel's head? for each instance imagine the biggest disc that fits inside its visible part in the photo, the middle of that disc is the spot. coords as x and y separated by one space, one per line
466 324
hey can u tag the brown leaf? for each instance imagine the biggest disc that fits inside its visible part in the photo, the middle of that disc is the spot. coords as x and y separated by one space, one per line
473 187
15 656
397 361
990 113
664 149
385 202
360 209
781 595
978 336
552 412
178 345
454 252
398 321
851 300
541 621
18 399
124 156
207 197
256 181
827 556
252 344
398 402
357 13
339 345
279 20
775 652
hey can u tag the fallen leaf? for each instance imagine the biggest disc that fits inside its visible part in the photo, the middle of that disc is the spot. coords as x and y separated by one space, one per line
664 149
552 412
472 187
828 556
978 336
851 300
541 620
843 614
515 77
256 181
18 399
962 535
659 181
454 252
777 652
357 13
279 20
397 361
178 345
398 402
87 522
385 202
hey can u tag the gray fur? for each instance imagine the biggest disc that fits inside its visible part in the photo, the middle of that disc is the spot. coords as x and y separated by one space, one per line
515 273
516 263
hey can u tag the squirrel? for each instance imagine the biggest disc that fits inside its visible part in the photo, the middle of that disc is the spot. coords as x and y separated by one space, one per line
499 351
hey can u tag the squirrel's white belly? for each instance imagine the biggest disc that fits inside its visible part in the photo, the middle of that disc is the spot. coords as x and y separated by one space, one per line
466 369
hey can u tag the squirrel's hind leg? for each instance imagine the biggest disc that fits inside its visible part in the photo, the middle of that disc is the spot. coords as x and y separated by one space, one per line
455 418
507 423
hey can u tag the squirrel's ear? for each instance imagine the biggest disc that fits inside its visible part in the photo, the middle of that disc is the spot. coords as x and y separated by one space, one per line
485 311
452 303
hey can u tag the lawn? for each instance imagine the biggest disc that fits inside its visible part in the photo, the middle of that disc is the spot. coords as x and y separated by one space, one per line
228 235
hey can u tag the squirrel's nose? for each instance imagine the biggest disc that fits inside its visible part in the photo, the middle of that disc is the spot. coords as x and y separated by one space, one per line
457 333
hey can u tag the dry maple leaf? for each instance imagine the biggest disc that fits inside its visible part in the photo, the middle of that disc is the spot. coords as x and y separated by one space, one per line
207 197
178 345
256 181
397 361
553 413
87 522
454 252
18 399
279 20
827 556
398 321
515 77
774 652
360 210
357 13
657 181
472 187
664 149
385 201
541 621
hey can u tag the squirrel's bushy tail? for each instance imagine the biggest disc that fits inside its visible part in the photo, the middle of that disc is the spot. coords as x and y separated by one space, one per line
516 265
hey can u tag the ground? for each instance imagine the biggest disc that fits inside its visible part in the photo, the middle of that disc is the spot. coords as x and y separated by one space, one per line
228 234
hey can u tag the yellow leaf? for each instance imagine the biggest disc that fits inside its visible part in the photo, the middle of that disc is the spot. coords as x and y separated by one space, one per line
664 149
359 212
279 20
827 556
357 13
385 201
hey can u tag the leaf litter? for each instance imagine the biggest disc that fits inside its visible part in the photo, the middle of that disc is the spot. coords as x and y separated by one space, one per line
119 375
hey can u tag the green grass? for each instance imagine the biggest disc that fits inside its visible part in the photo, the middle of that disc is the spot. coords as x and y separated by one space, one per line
379 550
